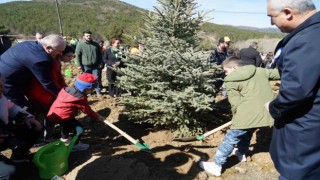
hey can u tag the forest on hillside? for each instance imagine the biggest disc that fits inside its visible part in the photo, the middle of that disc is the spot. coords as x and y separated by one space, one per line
105 18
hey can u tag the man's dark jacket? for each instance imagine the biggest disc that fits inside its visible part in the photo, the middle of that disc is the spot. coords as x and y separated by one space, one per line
295 146
20 64
217 56
251 56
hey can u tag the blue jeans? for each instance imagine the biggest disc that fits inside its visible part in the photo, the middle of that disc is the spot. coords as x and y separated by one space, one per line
7 168
96 71
241 138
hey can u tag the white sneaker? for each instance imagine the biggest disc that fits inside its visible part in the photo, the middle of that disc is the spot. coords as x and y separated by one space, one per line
66 140
241 157
211 167
80 147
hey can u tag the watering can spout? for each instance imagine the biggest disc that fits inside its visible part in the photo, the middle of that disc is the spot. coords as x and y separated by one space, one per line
72 143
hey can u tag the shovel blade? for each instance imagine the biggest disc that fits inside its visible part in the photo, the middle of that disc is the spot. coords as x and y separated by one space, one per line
144 147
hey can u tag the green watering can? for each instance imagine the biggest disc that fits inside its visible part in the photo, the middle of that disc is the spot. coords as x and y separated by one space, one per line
52 159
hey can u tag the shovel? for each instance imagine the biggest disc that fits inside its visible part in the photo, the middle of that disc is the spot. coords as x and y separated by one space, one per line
202 136
143 147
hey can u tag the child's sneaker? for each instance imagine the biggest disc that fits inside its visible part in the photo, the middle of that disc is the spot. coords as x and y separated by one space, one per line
80 147
241 157
211 167
66 140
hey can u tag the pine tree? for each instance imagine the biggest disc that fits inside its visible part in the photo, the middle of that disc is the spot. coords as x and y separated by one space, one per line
171 84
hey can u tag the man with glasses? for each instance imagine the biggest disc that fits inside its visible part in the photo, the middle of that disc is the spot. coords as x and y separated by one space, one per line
26 60
219 54
295 147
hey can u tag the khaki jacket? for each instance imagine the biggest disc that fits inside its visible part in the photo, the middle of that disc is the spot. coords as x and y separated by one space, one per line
248 90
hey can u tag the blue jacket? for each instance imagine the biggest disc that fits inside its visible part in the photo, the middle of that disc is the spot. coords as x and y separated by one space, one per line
20 64
295 147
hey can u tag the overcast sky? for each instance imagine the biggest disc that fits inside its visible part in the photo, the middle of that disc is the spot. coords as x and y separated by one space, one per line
231 12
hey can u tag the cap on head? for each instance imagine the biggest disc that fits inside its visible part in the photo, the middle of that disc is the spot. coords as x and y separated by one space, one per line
85 81
224 39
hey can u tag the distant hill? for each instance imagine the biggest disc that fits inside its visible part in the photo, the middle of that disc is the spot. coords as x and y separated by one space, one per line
105 18
267 30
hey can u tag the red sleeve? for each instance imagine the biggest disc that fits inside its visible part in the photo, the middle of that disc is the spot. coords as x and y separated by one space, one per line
57 77
62 83
85 108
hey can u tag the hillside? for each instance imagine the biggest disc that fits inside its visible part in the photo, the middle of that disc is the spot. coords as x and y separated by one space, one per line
267 30
106 18
101 16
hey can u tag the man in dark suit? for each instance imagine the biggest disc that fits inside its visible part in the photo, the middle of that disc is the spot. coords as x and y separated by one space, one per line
29 59
295 148
251 55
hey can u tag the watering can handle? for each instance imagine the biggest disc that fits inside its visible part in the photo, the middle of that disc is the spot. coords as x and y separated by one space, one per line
36 158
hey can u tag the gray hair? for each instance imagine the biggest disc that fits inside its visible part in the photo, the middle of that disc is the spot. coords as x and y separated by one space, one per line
300 5
254 44
53 40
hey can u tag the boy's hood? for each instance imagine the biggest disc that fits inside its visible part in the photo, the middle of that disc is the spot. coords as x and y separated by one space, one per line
241 74
70 94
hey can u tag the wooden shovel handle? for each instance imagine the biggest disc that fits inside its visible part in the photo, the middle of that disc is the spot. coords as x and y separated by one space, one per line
121 132
217 129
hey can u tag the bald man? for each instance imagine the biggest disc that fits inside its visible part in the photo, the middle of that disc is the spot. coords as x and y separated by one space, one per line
29 59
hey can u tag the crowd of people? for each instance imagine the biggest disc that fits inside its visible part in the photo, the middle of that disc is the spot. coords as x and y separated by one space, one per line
34 96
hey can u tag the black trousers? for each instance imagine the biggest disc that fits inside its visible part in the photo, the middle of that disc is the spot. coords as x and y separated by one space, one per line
113 89
70 126
16 171
24 138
